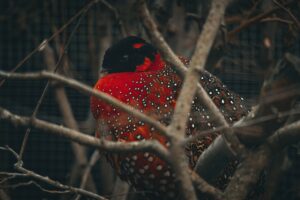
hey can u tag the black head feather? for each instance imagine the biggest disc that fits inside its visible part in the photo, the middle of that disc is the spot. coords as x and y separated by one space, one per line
127 54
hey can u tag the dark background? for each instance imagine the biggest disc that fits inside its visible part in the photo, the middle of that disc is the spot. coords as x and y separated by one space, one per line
25 24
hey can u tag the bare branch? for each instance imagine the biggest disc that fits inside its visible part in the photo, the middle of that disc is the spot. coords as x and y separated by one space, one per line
204 44
3 195
232 142
278 166
89 91
289 13
120 147
285 136
87 172
47 180
277 98
41 46
122 28
159 42
276 19
294 60
44 92
189 87
121 190
205 187
69 120
211 162
249 171
157 38
9 176
254 20
21 184
246 123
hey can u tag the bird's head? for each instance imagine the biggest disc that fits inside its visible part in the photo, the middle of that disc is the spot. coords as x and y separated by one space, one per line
131 54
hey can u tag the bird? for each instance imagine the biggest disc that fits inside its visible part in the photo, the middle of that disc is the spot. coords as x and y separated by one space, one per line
137 75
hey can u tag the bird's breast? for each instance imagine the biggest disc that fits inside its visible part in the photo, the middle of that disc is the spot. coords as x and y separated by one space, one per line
153 93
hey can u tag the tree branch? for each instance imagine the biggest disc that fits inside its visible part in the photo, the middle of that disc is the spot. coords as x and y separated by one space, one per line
47 180
45 90
158 40
189 87
183 104
249 172
69 120
89 91
87 171
114 10
3 195
204 187
120 147
278 94
88 139
120 191
254 20
61 29
296 21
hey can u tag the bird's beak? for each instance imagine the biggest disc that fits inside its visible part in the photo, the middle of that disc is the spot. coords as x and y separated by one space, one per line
103 72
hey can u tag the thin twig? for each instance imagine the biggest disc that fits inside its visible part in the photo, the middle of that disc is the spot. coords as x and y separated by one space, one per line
289 13
204 44
249 171
31 182
9 173
58 64
190 85
157 38
286 135
270 104
276 19
39 47
159 42
47 180
115 11
252 9
205 187
252 122
186 96
254 20
242 124
120 147
69 120
87 171
89 91
9 176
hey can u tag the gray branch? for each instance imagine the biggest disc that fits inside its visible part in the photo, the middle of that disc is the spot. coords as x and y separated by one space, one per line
89 91
102 144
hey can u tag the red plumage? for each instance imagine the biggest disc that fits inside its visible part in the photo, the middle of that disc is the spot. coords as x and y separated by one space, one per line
139 77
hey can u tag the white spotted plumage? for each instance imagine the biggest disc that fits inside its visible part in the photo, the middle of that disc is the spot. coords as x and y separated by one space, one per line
154 93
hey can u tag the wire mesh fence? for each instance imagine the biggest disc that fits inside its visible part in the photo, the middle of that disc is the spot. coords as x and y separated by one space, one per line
25 24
